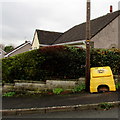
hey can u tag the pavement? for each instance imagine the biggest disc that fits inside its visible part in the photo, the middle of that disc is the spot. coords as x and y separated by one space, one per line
111 113
16 105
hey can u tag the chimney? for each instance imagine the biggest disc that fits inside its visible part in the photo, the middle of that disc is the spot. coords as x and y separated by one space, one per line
111 8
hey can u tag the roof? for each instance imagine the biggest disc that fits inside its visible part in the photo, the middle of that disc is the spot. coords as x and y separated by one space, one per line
17 48
77 33
2 50
47 37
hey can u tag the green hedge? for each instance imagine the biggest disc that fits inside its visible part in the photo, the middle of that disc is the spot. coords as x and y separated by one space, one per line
106 57
56 62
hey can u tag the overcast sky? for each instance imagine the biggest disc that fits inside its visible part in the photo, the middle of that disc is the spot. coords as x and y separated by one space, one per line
20 18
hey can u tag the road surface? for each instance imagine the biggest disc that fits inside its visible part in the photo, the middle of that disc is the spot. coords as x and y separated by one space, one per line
112 113
65 100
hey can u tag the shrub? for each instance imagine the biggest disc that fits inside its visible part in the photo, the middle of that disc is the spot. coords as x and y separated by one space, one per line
23 67
63 61
105 106
56 62
79 88
57 90
106 57
117 85
9 94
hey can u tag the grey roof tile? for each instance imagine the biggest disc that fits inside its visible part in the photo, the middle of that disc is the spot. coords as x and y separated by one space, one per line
47 37
77 33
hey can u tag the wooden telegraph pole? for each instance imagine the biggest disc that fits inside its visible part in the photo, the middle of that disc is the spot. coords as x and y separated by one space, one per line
88 36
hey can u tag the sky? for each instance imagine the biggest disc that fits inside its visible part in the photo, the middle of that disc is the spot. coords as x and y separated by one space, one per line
20 18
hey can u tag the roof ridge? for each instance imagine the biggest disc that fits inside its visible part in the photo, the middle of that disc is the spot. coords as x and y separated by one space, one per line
106 15
111 17
47 36
47 31
108 22
57 38
25 43
95 19
2 50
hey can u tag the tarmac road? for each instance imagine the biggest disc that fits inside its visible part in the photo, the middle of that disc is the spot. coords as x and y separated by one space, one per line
58 100
112 113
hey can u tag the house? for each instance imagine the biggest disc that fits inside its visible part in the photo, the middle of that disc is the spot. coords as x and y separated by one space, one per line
44 38
2 46
20 49
104 34
2 53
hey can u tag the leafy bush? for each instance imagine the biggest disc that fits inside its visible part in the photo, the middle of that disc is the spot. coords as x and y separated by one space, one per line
57 90
63 61
106 106
56 62
9 94
24 66
79 88
117 85
106 57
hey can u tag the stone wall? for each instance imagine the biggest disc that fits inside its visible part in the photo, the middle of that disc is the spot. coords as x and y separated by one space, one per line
49 84
35 85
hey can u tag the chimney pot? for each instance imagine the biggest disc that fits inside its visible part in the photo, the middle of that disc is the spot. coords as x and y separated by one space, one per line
111 9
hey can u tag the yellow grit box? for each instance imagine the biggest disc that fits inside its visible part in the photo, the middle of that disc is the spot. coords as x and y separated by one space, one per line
101 79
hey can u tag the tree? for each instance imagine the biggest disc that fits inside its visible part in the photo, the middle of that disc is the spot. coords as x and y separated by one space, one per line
8 48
